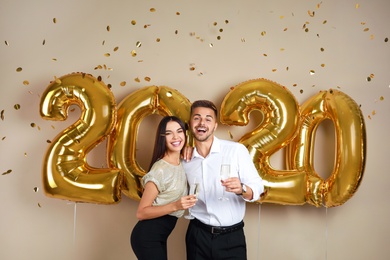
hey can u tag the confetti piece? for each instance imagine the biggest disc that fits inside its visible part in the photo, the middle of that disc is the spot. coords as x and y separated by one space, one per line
2 139
147 79
17 106
137 80
2 115
158 40
36 189
381 98
133 22
108 28
39 205
123 83
152 10
44 41
6 43
138 44
33 125
133 53
230 134
386 39
107 54
19 69
54 20
116 48
263 33
312 72
177 13
26 83
357 6
7 172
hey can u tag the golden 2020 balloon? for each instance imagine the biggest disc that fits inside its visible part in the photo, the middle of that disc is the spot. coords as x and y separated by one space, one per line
66 173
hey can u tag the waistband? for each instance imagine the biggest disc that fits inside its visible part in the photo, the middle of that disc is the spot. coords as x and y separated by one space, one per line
217 230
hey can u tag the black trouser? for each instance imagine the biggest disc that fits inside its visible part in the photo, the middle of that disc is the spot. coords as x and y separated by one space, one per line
149 237
203 245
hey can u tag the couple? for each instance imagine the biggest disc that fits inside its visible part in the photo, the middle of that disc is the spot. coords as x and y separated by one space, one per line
217 230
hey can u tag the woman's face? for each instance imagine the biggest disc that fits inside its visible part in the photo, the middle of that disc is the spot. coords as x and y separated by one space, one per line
174 136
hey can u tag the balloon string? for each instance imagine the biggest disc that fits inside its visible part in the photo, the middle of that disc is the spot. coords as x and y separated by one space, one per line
74 224
258 233
326 233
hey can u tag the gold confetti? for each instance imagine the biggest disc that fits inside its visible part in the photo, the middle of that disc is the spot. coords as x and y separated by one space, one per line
33 125
192 68
230 134
357 6
312 72
294 85
176 31
6 43
2 139
152 10
147 79
366 29
147 25
158 40
311 14
54 20
54 59
386 39
17 106
281 17
265 55
301 91
263 33
372 37
324 22
7 172
133 22
381 98
323 65
36 189
25 82
19 69
123 83
369 116
285 29
177 13
39 205
211 45
103 42
373 113
322 49
218 37
57 80
137 80
44 41
116 48
48 141
107 54
108 28
274 70
368 79
226 21
2 114
138 44
133 53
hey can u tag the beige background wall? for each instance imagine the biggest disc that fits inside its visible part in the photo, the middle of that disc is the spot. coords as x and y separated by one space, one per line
262 39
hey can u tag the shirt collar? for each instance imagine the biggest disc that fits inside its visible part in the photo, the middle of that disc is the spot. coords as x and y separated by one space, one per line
215 148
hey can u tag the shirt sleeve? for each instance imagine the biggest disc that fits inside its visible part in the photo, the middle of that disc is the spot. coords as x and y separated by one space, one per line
248 173
155 177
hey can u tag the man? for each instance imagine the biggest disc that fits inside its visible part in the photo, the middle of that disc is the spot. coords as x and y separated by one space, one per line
217 230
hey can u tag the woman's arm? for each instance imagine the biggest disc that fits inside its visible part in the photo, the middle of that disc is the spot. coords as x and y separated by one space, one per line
147 211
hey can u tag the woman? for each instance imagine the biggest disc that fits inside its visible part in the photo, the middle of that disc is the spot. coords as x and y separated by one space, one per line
164 198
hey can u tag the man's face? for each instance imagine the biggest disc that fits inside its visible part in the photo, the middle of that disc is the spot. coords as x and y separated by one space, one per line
203 123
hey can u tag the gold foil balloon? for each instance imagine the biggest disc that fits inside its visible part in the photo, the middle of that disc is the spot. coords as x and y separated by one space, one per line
66 174
279 126
131 111
350 147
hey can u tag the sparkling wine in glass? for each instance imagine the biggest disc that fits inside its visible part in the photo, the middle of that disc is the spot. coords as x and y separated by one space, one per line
194 189
225 174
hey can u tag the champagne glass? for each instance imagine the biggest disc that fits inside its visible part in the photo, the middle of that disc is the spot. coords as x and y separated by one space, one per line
194 189
225 174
